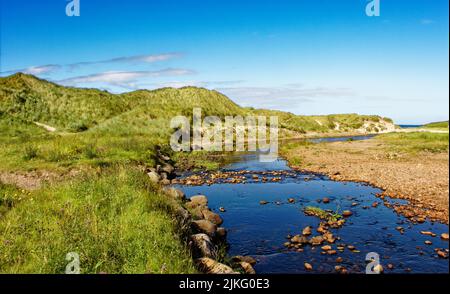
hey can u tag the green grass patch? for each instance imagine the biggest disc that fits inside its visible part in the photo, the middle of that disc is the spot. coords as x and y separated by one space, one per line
415 142
114 221
322 214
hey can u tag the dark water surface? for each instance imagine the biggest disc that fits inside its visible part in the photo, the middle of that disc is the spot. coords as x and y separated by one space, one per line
260 230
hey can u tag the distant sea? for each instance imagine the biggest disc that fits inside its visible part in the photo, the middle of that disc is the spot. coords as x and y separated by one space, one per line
410 126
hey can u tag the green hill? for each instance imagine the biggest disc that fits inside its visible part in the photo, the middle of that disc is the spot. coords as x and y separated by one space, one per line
31 99
437 125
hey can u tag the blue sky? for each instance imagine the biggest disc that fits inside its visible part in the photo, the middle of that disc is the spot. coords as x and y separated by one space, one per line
307 57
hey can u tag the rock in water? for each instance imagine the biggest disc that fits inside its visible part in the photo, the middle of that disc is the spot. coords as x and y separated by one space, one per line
263 202
204 226
326 247
308 267
444 236
221 233
442 254
347 213
316 241
299 239
210 266
240 258
202 246
326 200
307 231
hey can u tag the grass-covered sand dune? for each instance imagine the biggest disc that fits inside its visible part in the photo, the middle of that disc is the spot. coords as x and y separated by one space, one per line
78 188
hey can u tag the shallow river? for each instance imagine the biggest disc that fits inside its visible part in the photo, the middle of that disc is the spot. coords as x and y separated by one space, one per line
260 230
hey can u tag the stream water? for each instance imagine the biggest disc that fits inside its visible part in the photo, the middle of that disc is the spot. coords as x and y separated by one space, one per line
260 230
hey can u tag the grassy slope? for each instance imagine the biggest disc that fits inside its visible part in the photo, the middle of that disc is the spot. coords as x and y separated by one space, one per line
437 125
415 142
112 218
114 221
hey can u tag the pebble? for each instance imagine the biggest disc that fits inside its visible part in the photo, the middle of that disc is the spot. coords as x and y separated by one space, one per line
442 254
308 266
307 231
347 213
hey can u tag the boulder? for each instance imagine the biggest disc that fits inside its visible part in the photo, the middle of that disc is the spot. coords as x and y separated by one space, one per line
247 267
204 226
153 176
174 193
197 201
221 233
167 168
202 246
212 217
183 216
210 266
444 236
247 259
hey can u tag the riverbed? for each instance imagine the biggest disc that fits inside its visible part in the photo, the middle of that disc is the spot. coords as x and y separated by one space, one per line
261 231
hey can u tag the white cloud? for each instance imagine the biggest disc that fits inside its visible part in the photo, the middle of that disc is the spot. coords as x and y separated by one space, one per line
427 21
127 79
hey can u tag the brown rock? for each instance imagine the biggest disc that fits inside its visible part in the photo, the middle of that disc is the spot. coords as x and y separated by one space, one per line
221 233
444 236
427 233
442 254
307 231
308 266
299 239
247 259
247 267
326 248
174 193
332 252
329 237
202 246
339 259
291 200
326 200
210 266
198 201
263 202
316 241
427 242
212 217
204 226
347 213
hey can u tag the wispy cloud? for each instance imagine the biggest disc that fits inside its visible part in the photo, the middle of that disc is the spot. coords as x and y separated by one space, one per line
125 79
136 59
426 21
150 58
36 70
282 98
